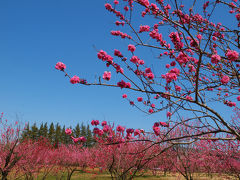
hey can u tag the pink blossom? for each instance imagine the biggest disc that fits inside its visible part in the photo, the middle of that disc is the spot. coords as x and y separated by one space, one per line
108 6
139 99
100 132
117 53
121 84
215 58
232 55
116 2
131 48
156 124
120 128
238 98
124 96
145 28
178 88
128 85
225 79
199 36
238 16
169 114
148 70
137 132
150 110
75 140
75 79
95 122
144 2
134 59
107 75
150 75
106 128
141 62
156 130
194 43
126 8
82 139
104 123
189 98
68 131
95 130
164 124
60 66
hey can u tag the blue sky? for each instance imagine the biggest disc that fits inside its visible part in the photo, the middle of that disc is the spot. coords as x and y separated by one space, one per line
34 35
37 34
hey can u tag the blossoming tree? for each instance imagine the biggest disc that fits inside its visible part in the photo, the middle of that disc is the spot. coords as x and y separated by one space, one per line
201 60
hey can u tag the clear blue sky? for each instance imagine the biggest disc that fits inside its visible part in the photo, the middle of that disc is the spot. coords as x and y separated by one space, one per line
34 35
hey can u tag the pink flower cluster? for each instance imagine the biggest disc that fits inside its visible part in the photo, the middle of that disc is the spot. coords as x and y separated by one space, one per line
225 79
144 2
144 28
155 35
111 9
119 23
215 58
105 57
134 59
232 55
172 75
176 40
131 48
75 79
94 122
120 128
156 129
60 66
107 75
123 84
178 88
68 131
119 33
182 58
148 73
80 139
230 103
117 53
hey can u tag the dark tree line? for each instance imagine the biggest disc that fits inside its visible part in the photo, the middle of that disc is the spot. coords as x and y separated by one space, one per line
56 135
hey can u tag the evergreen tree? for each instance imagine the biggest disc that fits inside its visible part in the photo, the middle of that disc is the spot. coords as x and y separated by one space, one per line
51 133
40 132
77 131
90 141
34 132
63 136
26 132
45 130
57 136
83 130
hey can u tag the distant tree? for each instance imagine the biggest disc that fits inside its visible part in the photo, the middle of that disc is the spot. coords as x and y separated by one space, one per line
34 132
90 141
57 136
26 132
83 130
77 131
51 132
40 132
45 130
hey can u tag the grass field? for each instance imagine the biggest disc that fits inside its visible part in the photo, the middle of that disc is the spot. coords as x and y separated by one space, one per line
90 174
